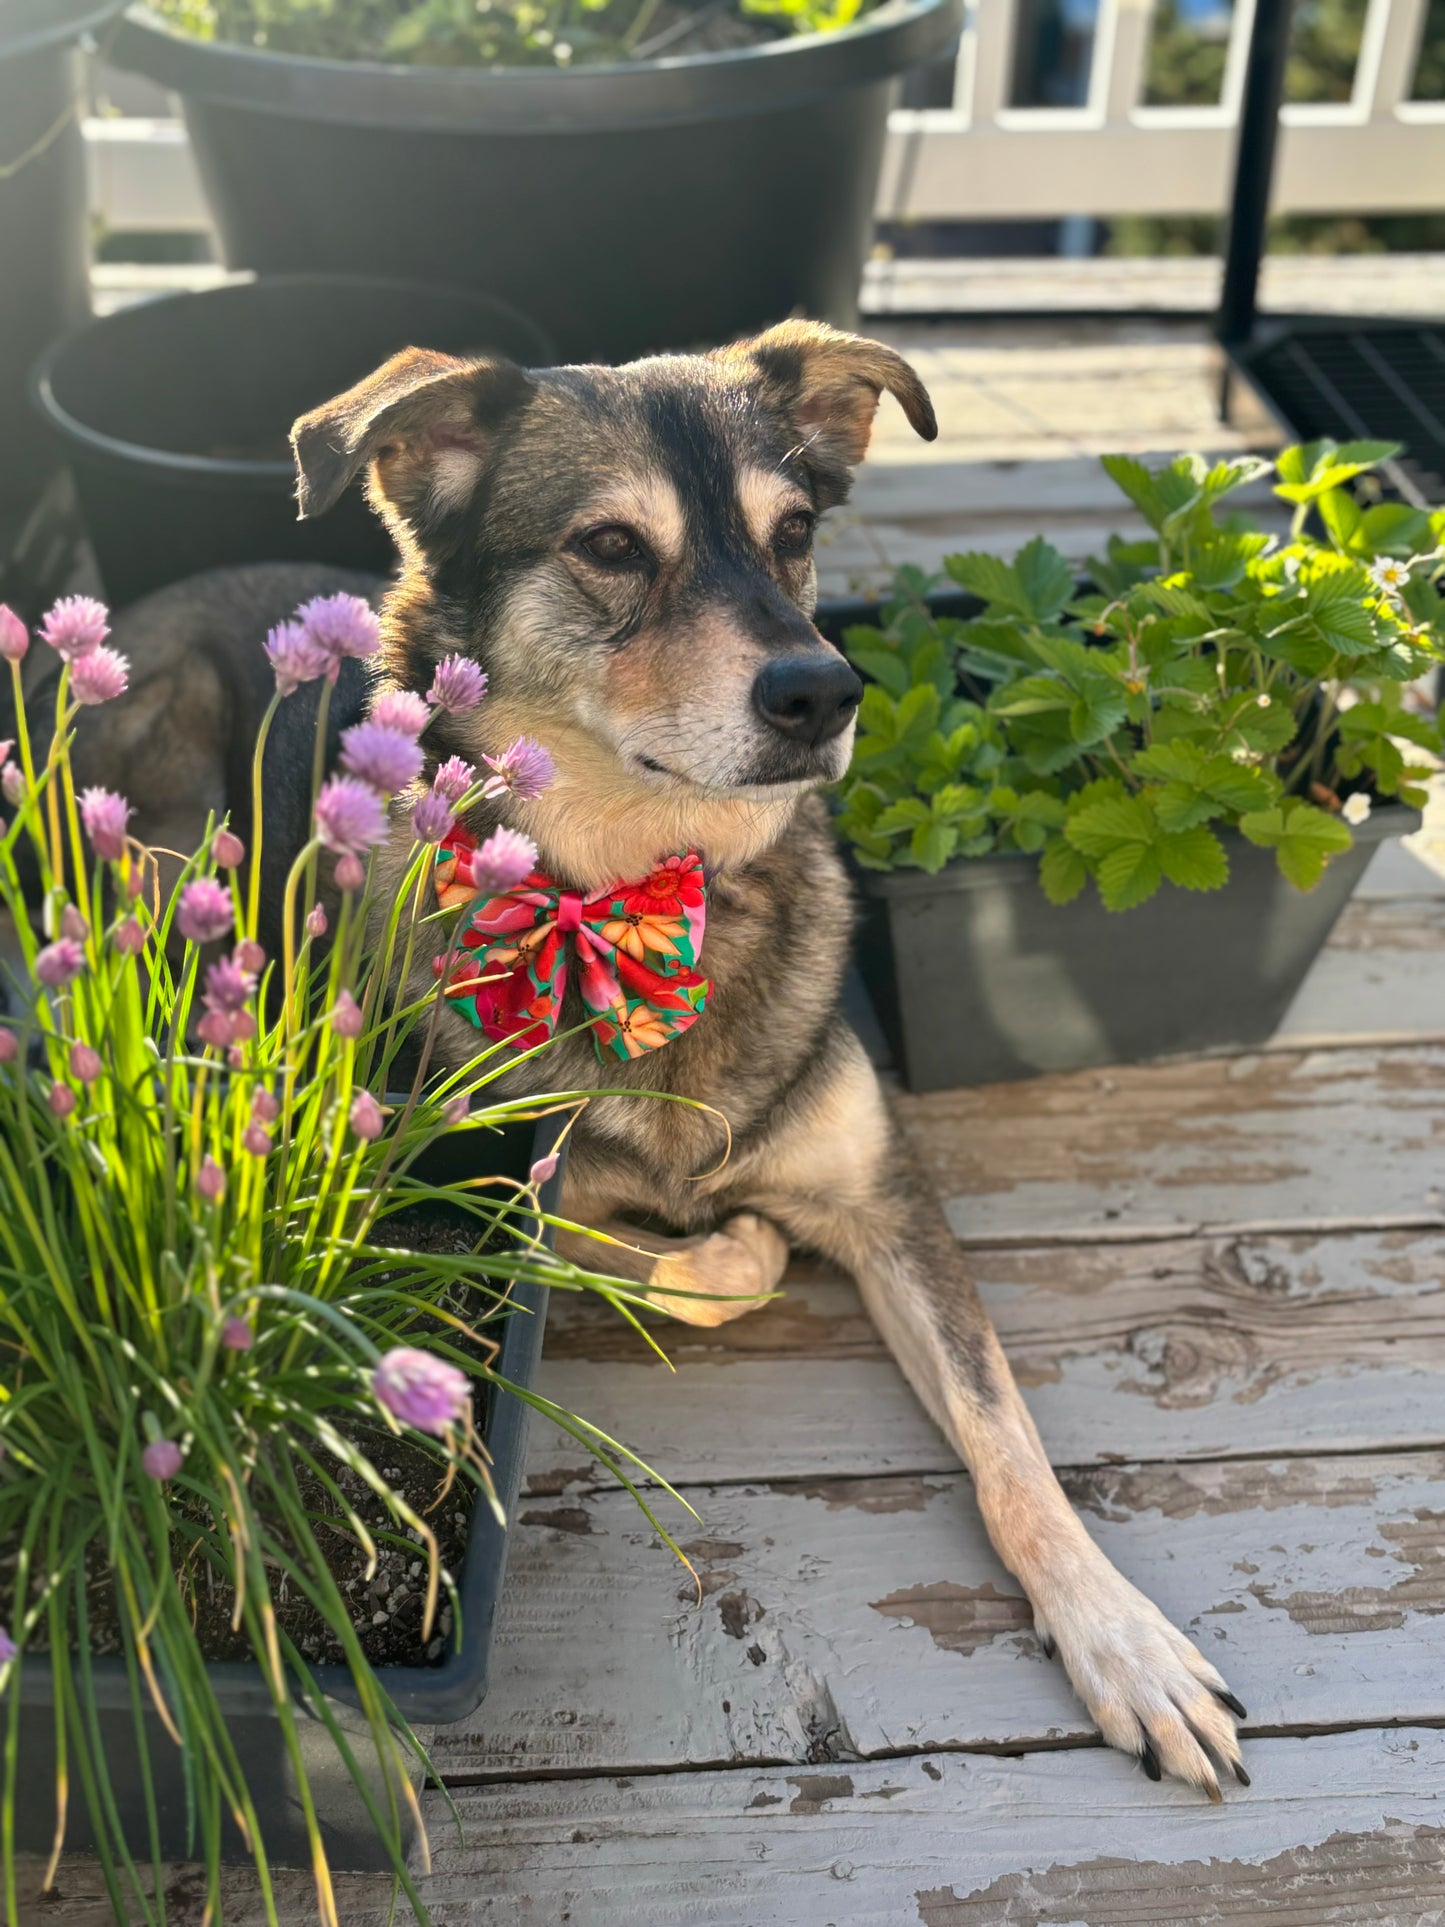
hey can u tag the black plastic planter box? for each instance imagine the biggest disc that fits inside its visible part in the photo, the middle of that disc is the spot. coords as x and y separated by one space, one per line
658 204
422 1695
976 977
173 416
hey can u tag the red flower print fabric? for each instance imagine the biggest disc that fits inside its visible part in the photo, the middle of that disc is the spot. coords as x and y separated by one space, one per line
634 946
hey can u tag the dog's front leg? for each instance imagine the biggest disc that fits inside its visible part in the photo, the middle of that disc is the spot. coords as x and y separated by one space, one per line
839 1179
702 1280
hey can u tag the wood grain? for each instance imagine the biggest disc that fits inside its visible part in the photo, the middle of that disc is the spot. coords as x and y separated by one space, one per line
1179 1349
845 1618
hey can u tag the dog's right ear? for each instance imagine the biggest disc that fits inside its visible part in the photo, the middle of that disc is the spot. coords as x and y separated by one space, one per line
422 423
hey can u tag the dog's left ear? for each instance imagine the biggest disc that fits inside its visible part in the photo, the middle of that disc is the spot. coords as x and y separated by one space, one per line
830 383
422 423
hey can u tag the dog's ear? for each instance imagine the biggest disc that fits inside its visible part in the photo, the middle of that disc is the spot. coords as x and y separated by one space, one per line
423 423
830 384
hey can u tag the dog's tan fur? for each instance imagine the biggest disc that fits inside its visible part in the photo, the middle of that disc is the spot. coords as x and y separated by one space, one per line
640 682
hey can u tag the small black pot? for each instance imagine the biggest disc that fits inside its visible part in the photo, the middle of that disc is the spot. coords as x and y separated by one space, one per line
976 977
44 241
422 1695
659 204
174 414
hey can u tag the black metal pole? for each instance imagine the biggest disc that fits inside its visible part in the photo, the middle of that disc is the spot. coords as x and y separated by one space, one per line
1253 175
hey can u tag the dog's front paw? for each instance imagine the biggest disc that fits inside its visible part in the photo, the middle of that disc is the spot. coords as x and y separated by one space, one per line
722 1275
1151 1691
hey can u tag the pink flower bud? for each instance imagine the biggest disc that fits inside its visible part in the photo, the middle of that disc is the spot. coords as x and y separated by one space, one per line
265 1108
12 783
237 1336
85 1063
257 1140
228 850
250 956
130 938
457 1109
211 1180
316 921
543 1169
73 925
9 1046
61 1099
162 1459
366 1117
346 1018
14 636
350 872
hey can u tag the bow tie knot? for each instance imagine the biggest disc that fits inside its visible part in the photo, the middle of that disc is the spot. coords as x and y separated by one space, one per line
634 945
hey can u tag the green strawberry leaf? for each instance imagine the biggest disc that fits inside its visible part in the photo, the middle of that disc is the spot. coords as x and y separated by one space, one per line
1302 837
1062 872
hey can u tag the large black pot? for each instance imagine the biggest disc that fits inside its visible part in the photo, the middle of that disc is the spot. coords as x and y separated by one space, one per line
423 1695
44 241
663 204
976 977
174 414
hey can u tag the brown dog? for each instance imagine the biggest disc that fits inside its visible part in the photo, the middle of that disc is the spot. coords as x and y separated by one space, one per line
628 552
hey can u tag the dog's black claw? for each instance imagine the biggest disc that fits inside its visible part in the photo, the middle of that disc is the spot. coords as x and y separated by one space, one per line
1148 1761
1048 1646
1228 1699
1240 1774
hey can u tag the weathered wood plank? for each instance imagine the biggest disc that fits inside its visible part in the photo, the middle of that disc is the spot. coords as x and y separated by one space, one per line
1193 1143
1343 1828
1177 1350
845 1618
1382 972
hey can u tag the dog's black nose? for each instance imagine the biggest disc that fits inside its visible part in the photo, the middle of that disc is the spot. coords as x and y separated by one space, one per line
810 698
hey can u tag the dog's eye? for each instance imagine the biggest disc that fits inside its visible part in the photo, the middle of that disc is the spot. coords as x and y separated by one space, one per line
794 533
612 545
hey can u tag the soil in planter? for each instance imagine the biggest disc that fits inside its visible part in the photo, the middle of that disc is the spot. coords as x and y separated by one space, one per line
388 1607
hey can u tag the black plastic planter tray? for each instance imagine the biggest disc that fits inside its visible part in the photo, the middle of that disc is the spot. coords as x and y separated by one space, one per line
1358 380
422 1695
174 415
664 203
976 977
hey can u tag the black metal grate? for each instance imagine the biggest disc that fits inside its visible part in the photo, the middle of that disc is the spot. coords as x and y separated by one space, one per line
1377 380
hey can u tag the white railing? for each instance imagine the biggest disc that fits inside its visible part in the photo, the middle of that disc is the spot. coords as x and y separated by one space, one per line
984 159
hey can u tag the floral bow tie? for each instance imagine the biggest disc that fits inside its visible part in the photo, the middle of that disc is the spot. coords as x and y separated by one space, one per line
635 945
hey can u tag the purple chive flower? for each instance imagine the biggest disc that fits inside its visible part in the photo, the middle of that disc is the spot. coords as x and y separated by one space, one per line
382 757
424 1392
251 956
205 911
264 1107
228 986
76 627
525 770
59 963
366 1117
543 1169
458 685
14 636
99 677
316 921
350 873
105 815
228 849
346 1018
401 709
237 1336
162 1459
340 626
61 1099
256 1140
85 1063
432 819
130 938
9 1046
502 861
294 657
8 1649
349 817
211 1180
454 778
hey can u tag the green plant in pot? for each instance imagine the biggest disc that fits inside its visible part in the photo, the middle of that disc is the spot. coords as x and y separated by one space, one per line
248 1338
1215 706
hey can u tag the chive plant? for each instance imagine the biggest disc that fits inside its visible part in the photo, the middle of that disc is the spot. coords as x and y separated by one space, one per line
205 1317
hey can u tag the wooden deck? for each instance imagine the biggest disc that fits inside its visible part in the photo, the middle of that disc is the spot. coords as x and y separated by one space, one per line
1222 1283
